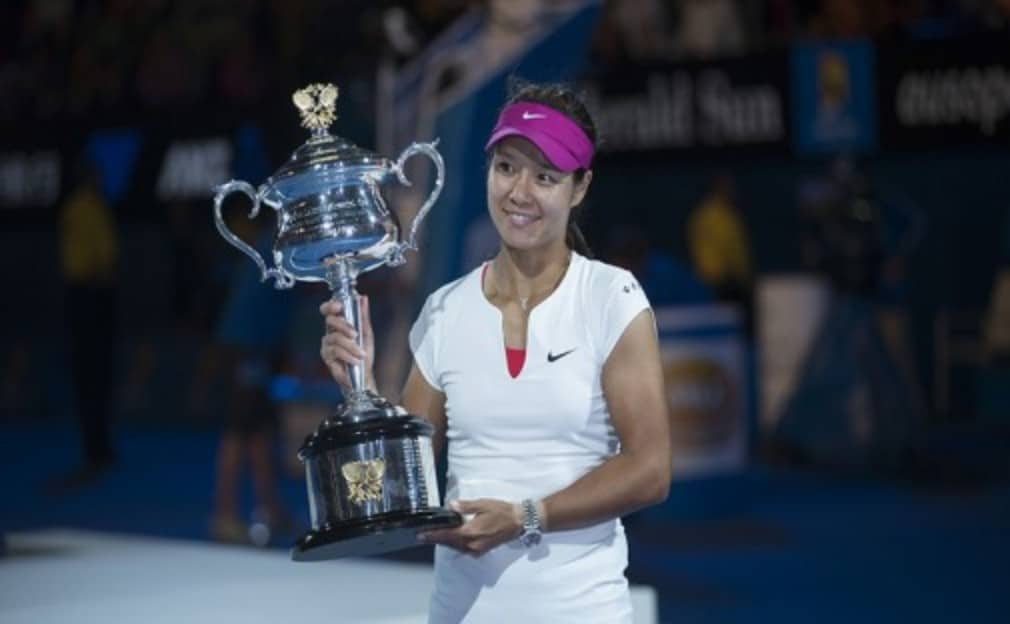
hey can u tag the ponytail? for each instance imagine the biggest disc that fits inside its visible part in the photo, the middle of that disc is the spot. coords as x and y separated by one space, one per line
574 238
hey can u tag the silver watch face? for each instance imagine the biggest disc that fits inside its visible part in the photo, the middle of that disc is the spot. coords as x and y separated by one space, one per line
530 538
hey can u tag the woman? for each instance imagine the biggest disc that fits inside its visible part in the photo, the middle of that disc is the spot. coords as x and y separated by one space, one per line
541 368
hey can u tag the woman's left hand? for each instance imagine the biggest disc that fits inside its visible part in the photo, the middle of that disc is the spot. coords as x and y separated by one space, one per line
493 523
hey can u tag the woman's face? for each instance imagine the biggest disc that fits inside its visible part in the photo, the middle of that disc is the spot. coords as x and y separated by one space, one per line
529 200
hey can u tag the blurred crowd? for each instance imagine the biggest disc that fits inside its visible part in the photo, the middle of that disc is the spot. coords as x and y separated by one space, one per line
662 30
78 57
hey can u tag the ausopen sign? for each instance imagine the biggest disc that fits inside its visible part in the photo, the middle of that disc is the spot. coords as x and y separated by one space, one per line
934 95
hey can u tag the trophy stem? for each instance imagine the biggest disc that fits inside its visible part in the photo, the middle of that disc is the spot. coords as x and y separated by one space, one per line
343 284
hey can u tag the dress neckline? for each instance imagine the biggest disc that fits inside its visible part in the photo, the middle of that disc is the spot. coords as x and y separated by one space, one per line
515 358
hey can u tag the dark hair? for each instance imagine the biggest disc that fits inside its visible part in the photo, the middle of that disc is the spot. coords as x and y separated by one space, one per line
567 100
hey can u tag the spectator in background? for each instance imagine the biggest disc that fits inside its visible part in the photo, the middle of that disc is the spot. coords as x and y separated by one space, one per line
993 14
250 334
840 19
902 227
108 37
859 402
779 21
632 31
89 250
510 26
709 28
197 275
407 29
718 243
47 31
840 237
165 77
861 235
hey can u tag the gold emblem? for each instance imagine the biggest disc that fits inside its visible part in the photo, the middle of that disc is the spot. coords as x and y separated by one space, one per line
317 104
364 479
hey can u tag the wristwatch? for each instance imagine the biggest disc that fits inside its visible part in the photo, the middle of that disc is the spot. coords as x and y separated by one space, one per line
532 531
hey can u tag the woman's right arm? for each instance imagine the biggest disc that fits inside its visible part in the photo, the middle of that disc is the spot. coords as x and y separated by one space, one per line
340 348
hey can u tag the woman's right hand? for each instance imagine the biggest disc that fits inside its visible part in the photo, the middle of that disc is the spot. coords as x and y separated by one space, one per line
340 346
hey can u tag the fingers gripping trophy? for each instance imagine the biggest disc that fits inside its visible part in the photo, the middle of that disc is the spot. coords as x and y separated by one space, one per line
369 467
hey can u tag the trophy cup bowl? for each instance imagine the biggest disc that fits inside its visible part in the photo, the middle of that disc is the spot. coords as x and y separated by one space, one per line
369 467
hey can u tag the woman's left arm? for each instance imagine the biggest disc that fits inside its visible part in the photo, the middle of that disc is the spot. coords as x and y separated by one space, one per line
640 474
636 477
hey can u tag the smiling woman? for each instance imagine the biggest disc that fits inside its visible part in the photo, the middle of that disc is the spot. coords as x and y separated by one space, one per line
550 125
530 200
541 369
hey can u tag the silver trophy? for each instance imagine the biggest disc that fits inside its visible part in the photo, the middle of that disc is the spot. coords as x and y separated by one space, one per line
369 467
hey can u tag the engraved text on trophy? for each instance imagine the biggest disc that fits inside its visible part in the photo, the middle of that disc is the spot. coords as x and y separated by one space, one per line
339 214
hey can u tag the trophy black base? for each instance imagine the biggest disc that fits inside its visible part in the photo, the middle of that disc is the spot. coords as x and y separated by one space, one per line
376 535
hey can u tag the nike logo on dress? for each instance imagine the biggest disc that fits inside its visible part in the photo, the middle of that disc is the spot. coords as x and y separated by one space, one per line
553 358
528 115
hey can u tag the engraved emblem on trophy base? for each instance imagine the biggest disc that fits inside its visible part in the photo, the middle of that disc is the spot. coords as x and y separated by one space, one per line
369 467
364 479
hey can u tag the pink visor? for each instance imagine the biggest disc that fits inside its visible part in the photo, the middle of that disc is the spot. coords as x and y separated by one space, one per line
561 140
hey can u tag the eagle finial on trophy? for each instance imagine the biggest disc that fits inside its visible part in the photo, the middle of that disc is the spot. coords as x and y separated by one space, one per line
317 105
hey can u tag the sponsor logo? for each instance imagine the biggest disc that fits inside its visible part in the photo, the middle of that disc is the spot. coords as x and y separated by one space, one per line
30 179
554 358
680 109
192 168
702 397
977 96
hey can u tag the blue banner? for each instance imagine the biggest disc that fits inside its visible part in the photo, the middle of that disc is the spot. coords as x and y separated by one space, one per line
834 98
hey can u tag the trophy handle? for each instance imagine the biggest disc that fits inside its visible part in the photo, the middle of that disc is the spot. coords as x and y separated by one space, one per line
428 149
281 279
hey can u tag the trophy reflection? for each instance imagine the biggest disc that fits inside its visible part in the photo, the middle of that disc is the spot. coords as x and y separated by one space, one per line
369 467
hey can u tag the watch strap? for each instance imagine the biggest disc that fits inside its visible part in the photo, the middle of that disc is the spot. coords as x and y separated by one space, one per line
532 529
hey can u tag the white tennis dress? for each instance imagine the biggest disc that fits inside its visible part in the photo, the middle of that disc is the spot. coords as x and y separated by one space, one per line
528 437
